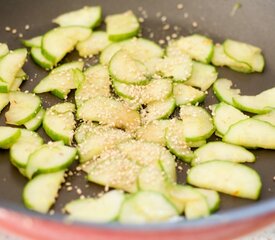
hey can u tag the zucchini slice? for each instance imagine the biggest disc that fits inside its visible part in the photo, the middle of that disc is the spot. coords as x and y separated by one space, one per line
221 59
36 121
186 94
59 122
227 177
59 41
198 47
83 131
99 139
33 42
4 100
40 59
40 193
94 44
4 49
146 206
225 116
10 64
202 76
51 157
87 16
246 53
251 133
26 144
23 107
122 26
224 92
102 209
212 198
222 151
109 111
197 123
8 136
261 103
268 117
135 73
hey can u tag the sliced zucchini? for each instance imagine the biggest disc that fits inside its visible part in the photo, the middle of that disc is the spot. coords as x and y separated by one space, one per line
8 136
4 100
243 52
4 49
33 42
129 91
259 104
168 165
224 92
59 41
87 16
194 203
59 122
197 123
198 47
231 178
94 44
10 64
175 141
23 107
221 59
135 73
139 48
51 157
251 133
83 131
225 116
102 209
122 26
212 198
222 151
16 84
186 94
158 110
109 111
115 170
39 194
146 206
68 66
96 83
40 59
153 132
26 144
202 76
35 122
268 117
99 139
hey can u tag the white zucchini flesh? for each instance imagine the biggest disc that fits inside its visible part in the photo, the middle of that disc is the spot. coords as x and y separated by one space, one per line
109 111
251 133
59 41
27 143
23 107
103 209
122 26
40 193
8 136
114 169
40 59
222 151
94 44
198 124
225 116
262 103
202 76
4 49
224 92
50 157
59 122
135 73
83 131
98 140
36 121
146 206
4 100
231 178
268 117
212 198
87 17
33 42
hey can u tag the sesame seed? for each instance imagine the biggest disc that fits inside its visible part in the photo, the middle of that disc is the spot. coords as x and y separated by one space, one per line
7 29
194 24
185 15
70 188
27 27
180 6
163 19
20 35
14 31
166 27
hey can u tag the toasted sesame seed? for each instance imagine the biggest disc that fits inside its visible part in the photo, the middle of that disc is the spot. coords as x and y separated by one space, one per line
14 31
194 24
180 6
7 29
27 27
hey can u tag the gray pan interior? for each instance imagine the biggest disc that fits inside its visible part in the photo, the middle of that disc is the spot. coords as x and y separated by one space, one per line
252 23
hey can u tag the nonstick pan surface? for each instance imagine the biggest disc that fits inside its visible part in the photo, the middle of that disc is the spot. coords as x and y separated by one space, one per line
253 23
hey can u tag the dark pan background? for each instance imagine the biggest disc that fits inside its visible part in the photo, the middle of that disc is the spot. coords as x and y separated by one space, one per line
252 23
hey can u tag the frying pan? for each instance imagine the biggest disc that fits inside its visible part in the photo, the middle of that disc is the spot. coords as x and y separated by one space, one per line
252 23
